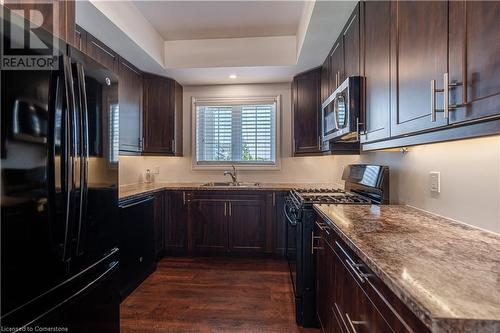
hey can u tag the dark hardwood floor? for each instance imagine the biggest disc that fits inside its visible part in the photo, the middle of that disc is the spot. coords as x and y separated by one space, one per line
213 295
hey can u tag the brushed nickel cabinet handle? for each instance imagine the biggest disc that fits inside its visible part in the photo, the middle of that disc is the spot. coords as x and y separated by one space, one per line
446 90
230 208
183 198
274 199
225 208
312 243
433 100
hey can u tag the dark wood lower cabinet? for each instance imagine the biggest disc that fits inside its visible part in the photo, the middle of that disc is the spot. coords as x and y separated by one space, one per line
247 225
159 217
208 222
240 223
176 223
351 298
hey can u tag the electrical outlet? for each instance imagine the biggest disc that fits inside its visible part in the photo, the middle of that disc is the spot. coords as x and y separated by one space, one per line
435 181
156 170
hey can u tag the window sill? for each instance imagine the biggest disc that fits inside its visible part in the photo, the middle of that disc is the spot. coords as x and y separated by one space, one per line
239 167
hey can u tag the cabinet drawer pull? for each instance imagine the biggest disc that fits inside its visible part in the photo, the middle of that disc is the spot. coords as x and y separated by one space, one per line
312 243
225 208
322 227
353 322
356 272
230 209
184 198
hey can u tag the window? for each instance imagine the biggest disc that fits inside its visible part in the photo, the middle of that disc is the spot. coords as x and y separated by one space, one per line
114 134
242 131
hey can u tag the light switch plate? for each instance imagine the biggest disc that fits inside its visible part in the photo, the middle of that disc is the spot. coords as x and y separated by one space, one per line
156 170
435 181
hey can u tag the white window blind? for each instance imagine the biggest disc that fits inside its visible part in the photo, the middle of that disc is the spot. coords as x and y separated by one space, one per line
114 133
241 133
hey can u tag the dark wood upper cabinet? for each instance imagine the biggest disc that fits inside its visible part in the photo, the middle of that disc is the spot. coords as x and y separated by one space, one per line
419 39
306 108
325 81
130 94
376 69
474 56
336 59
247 225
102 54
351 40
208 219
162 116
81 39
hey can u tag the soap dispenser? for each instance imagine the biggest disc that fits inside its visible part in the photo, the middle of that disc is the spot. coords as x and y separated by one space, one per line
148 177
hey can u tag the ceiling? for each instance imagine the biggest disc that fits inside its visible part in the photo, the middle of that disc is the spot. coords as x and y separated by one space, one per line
180 20
204 42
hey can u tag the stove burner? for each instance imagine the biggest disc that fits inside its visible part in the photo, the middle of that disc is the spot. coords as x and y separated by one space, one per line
328 196
319 190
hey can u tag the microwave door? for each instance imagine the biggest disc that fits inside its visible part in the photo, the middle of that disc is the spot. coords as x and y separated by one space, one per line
329 119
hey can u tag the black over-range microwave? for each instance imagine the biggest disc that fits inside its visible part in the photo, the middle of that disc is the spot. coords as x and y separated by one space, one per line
340 113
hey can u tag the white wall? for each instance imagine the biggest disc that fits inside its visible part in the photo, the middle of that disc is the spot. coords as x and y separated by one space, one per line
470 169
470 179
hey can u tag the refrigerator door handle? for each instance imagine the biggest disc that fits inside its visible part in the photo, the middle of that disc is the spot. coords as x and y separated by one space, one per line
84 155
68 157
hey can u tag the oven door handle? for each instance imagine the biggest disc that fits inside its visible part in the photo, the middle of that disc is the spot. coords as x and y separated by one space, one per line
288 217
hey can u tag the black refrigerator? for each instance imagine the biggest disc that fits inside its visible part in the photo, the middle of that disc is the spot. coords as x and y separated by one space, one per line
59 190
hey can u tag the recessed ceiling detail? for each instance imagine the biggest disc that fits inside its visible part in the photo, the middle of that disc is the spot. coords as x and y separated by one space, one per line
181 20
203 42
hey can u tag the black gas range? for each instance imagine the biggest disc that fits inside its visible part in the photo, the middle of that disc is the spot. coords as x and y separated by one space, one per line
364 185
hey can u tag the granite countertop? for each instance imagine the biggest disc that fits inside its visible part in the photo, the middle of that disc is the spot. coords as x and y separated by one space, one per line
127 191
446 272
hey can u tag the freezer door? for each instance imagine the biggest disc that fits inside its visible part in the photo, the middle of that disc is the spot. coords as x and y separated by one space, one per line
96 93
34 183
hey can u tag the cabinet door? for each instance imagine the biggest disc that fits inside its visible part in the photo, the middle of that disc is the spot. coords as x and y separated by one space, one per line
159 223
176 223
474 59
306 112
322 286
159 116
337 64
419 39
103 54
130 98
325 81
376 28
208 220
352 45
81 39
280 223
247 225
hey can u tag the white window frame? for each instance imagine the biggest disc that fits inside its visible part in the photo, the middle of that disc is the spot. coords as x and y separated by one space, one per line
231 101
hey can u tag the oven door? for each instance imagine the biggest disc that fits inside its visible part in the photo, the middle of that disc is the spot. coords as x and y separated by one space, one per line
290 213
